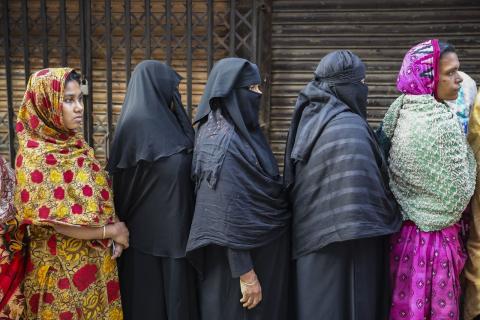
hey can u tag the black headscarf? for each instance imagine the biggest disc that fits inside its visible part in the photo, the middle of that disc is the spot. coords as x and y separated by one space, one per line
153 123
334 169
343 72
240 200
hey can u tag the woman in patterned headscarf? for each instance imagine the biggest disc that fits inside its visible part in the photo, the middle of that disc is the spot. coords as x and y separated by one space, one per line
432 176
64 198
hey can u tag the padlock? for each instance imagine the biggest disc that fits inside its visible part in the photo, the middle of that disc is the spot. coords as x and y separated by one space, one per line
84 87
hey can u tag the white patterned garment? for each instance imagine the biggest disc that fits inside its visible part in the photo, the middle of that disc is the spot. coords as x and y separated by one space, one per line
7 187
464 103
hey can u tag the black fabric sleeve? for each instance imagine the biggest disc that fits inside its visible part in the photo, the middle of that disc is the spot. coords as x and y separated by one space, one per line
240 262
125 190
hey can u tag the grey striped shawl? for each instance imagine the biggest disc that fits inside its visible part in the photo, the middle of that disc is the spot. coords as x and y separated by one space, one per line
339 192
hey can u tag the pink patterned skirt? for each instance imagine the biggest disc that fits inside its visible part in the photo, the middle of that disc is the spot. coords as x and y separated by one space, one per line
425 268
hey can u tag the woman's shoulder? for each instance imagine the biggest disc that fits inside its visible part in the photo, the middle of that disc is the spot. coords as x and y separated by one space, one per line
347 122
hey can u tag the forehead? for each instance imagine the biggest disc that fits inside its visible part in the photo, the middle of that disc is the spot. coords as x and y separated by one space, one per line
72 87
449 61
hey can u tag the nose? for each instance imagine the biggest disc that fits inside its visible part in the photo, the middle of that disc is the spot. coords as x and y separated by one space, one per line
78 107
459 78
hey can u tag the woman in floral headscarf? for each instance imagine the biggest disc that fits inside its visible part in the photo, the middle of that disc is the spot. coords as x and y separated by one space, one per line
64 198
432 176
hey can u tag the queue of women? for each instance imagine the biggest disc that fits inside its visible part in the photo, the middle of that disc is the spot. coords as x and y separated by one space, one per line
188 224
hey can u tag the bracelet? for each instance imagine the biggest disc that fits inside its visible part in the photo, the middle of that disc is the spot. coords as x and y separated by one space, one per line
248 284
103 236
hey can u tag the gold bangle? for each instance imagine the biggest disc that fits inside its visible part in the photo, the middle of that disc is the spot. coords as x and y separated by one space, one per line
248 284
103 236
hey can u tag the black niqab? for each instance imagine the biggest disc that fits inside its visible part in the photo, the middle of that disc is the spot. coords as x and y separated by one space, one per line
343 72
250 109
153 123
228 83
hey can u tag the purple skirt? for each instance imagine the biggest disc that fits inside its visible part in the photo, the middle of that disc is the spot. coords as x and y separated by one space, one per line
425 268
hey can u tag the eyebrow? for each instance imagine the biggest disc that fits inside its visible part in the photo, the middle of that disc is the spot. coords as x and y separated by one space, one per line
453 69
73 95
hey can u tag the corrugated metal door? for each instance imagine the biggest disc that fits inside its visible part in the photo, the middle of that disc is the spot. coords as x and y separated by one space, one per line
380 32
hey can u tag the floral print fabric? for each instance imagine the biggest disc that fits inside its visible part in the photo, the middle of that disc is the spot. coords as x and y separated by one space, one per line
70 279
425 273
12 270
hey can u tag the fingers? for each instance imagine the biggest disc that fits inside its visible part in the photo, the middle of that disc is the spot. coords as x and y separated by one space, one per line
252 296
249 302
253 304
124 242
256 301
244 299
118 251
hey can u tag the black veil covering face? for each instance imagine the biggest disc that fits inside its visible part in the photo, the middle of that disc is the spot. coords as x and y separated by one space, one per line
227 88
344 74
153 123
336 95
240 200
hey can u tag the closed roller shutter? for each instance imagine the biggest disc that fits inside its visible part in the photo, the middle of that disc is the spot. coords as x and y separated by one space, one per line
380 32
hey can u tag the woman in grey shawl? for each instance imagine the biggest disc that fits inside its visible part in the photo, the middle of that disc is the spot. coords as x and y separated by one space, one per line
342 207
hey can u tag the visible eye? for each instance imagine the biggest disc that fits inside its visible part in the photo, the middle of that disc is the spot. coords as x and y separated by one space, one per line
68 100
255 88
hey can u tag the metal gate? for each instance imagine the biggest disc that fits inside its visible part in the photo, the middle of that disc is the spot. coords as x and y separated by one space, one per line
105 39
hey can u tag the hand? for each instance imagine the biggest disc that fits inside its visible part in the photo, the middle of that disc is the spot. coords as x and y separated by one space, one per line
118 232
117 251
251 290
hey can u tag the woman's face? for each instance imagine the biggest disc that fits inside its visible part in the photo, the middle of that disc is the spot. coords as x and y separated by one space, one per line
449 79
72 106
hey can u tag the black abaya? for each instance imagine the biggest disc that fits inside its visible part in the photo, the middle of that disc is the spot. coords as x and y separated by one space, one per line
343 281
155 200
220 292
156 287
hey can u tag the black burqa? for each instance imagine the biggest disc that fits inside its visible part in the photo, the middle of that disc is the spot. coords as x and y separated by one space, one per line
240 200
150 163
341 205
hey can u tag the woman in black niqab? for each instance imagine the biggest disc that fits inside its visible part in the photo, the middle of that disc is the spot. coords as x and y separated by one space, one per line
150 163
238 240
342 207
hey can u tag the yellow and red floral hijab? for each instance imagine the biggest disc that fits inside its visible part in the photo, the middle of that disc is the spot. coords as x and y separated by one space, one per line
58 178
